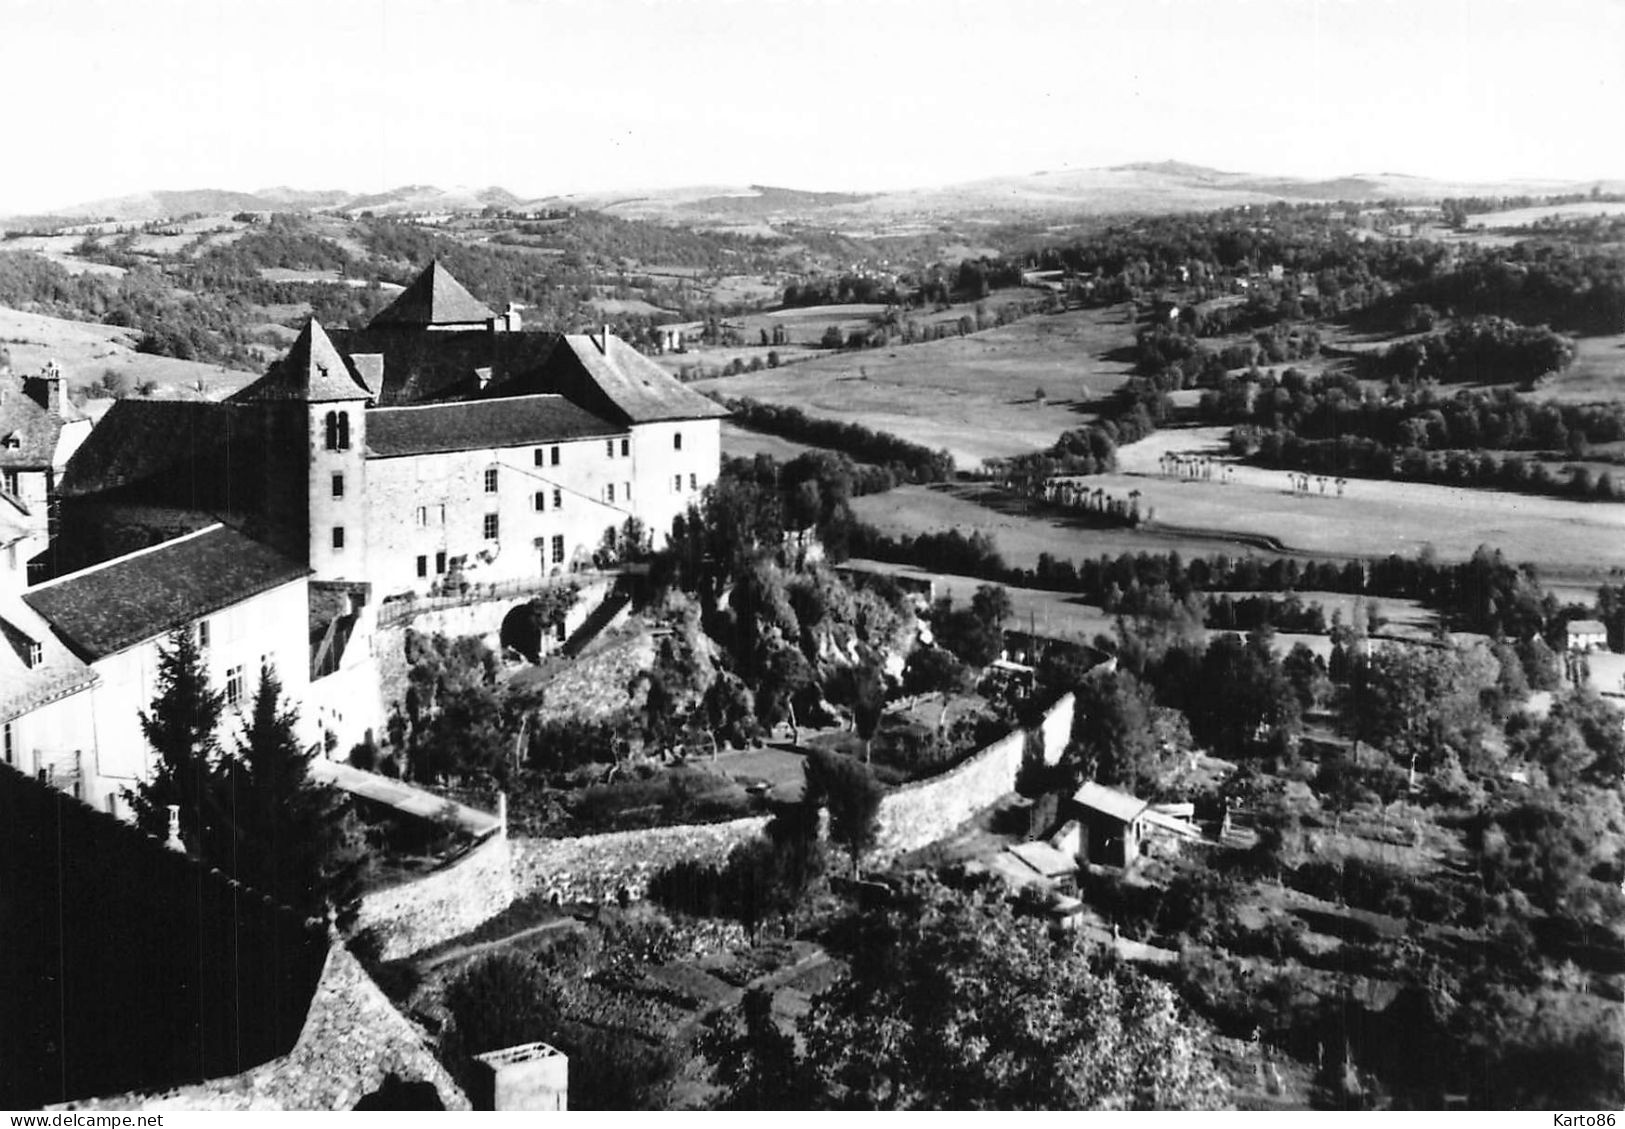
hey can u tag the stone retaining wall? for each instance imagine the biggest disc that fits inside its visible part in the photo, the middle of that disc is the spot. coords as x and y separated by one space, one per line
599 867
919 814
416 915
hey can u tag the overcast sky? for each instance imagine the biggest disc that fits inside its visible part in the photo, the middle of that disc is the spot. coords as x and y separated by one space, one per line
553 96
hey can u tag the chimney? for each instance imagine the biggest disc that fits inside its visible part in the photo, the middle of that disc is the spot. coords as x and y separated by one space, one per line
603 342
46 388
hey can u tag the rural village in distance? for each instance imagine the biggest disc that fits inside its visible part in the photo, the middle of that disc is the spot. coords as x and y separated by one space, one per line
1128 637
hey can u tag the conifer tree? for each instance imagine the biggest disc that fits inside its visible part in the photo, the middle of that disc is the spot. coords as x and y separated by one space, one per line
181 730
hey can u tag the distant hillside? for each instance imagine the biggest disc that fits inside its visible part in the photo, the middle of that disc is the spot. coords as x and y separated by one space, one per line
1159 186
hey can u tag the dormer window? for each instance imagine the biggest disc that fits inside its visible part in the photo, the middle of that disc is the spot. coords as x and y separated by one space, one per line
13 441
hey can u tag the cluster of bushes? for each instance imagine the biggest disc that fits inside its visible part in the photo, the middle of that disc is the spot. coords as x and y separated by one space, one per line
913 462
1249 613
1134 411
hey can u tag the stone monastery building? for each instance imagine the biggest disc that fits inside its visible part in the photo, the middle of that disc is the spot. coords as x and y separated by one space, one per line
438 446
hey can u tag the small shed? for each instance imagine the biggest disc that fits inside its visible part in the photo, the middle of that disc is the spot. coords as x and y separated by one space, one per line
1587 635
1114 823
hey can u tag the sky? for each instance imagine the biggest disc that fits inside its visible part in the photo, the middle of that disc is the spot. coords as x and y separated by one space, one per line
547 97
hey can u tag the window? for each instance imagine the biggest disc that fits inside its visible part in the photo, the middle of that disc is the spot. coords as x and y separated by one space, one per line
440 563
609 447
423 515
10 743
677 441
423 566
491 480
234 686
609 493
626 447
693 482
541 457
338 486
554 456
677 484
203 634
338 538
36 654
338 431
11 482
541 500
558 498
626 491
491 527
558 548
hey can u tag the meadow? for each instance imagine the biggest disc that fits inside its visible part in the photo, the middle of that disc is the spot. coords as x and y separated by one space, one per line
973 395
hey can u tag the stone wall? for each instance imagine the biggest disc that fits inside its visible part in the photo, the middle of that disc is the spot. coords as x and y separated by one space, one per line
599 684
415 915
599 867
921 813
352 1041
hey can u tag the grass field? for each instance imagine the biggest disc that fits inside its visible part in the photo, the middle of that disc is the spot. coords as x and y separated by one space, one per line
86 350
1598 373
741 442
973 395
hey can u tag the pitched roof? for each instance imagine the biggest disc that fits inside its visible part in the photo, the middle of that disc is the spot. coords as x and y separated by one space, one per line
476 425
141 439
28 433
639 390
1587 627
24 687
108 607
1118 805
313 372
433 298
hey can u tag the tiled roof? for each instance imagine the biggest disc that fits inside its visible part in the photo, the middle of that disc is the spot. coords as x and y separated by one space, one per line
111 606
434 298
24 687
1118 805
640 390
28 433
141 439
313 372
480 425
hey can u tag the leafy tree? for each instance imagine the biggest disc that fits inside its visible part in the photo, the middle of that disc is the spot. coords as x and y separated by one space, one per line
852 795
1415 701
754 1059
952 1002
1113 740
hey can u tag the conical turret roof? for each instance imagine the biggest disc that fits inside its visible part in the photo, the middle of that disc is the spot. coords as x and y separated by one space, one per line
313 372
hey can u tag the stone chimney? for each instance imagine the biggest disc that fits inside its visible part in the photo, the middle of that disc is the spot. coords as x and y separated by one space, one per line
46 388
532 1077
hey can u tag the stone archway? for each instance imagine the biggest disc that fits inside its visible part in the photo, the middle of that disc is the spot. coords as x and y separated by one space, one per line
523 630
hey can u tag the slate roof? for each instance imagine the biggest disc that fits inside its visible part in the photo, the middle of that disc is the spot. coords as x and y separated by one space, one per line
142 439
24 688
1118 805
33 429
639 390
313 372
477 425
108 607
433 298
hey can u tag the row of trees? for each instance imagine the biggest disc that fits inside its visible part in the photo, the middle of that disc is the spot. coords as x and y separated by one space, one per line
908 461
